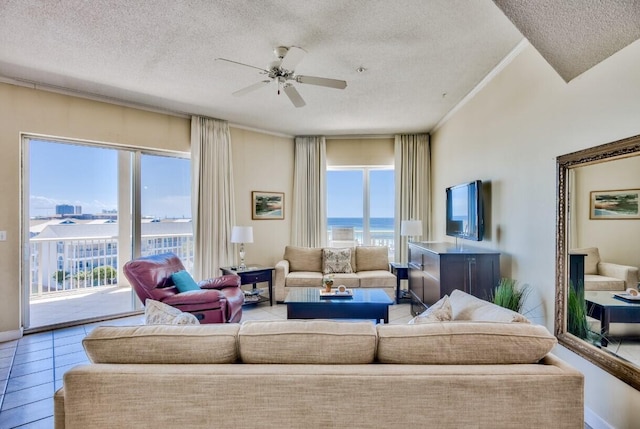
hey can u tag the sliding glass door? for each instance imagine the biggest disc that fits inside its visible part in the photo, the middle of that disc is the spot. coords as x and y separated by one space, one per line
85 214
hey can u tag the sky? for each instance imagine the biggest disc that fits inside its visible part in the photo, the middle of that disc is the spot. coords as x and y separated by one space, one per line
86 176
345 196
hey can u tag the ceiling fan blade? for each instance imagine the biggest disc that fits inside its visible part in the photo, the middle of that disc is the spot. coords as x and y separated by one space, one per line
251 88
322 81
294 95
242 64
292 58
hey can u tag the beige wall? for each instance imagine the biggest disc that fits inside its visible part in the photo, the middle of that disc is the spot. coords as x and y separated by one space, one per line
509 134
613 238
263 162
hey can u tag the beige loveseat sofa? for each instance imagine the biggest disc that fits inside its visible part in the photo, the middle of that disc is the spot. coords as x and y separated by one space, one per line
321 374
305 267
600 275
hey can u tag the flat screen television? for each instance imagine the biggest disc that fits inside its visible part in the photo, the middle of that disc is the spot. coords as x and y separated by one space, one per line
465 215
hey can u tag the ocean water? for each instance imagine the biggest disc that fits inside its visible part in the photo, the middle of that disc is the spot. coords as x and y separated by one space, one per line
377 223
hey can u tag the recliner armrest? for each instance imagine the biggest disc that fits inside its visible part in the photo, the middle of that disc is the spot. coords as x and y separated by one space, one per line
202 296
228 280
624 272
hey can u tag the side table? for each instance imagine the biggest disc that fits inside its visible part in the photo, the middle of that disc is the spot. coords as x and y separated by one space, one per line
401 271
254 274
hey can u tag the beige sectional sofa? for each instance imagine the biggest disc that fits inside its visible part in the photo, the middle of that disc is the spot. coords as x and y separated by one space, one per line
322 374
306 266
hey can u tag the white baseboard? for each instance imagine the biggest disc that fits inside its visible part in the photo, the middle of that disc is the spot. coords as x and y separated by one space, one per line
594 420
10 335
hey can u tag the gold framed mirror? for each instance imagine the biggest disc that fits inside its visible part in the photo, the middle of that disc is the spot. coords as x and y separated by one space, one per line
606 357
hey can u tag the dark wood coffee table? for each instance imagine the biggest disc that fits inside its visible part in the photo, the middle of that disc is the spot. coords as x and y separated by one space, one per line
306 303
604 306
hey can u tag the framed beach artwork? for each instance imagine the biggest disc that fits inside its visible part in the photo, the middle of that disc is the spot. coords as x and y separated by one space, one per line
622 204
267 205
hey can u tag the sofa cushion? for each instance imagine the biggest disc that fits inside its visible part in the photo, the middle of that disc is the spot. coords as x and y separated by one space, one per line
304 279
377 279
348 280
307 342
158 313
303 258
463 343
336 260
596 282
163 344
439 312
468 307
184 282
369 258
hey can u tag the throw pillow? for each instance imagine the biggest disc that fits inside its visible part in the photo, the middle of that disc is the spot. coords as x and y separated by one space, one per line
336 261
439 312
184 282
468 307
157 313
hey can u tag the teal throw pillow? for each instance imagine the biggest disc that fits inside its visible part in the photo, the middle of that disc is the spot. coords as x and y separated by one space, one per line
184 282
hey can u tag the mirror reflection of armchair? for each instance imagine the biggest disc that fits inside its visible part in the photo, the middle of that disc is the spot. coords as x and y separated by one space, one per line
343 236
600 275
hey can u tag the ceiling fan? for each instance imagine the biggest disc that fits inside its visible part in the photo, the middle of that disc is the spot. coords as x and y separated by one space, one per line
282 71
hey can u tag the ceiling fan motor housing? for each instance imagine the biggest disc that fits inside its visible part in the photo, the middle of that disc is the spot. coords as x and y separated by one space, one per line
280 51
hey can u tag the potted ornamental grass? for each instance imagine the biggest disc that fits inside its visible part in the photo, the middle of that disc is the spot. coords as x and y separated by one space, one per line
508 295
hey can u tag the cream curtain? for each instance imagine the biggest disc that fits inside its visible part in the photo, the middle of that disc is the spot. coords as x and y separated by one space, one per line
213 205
413 199
309 222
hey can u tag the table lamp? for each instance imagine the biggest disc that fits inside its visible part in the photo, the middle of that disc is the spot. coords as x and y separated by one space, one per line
242 234
411 228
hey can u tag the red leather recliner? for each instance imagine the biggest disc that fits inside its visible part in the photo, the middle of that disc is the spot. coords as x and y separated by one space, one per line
219 299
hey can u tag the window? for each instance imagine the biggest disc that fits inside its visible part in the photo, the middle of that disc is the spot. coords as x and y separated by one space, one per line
362 198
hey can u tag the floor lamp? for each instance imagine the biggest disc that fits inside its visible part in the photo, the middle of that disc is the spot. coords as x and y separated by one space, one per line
241 235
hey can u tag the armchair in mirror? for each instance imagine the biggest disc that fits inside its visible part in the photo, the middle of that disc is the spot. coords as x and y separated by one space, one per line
598 254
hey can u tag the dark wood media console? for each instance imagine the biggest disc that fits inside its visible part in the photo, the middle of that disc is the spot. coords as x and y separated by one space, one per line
436 269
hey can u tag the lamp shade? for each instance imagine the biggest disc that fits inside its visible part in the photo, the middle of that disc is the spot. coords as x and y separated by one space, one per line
411 228
242 234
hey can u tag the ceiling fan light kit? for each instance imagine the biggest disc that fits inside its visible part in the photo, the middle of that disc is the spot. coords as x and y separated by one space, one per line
283 72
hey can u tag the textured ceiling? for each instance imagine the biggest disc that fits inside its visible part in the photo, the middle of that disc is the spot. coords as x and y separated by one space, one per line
421 57
575 35
161 53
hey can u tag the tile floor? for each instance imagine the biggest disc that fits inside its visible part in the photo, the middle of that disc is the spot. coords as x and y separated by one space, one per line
31 368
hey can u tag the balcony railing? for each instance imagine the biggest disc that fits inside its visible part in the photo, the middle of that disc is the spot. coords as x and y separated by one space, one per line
376 238
81 263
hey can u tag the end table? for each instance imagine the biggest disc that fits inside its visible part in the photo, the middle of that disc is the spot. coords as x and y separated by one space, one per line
401 271
254 274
